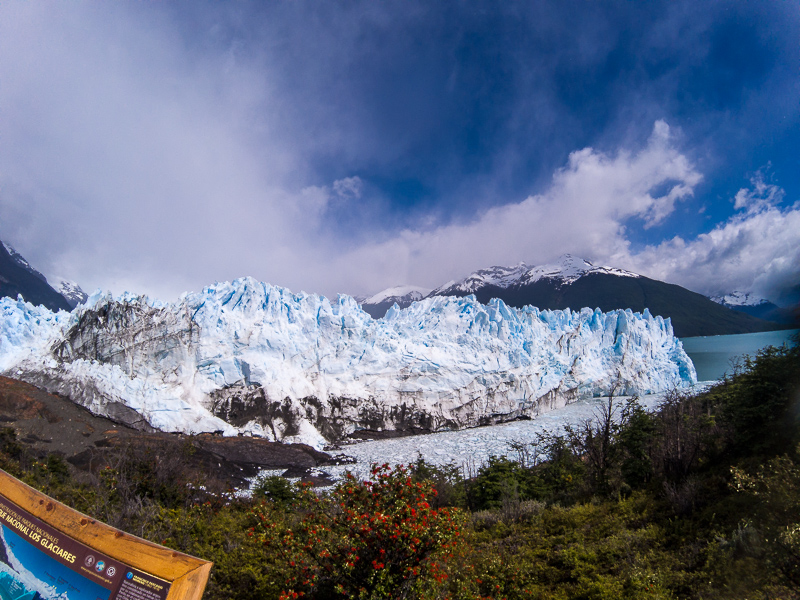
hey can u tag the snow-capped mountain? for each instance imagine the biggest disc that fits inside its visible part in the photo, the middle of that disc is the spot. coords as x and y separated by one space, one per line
501 277
756 306
250 357
20 260
574 283
567 269
18 277
739 299
71 291
403 295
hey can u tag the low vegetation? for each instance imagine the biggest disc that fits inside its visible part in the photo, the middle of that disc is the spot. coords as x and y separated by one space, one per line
699 499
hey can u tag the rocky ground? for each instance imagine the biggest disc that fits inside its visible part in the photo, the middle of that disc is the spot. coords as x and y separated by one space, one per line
50 423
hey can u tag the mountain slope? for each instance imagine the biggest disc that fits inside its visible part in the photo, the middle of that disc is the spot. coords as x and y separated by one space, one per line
759 308
575 283
17 277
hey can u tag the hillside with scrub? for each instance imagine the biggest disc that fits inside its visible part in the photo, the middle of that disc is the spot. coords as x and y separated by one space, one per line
699 499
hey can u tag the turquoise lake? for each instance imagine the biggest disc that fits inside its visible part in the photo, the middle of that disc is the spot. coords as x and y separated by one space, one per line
713 355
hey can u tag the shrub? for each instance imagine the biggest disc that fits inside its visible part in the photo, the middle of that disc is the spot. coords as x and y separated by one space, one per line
275 488
447 482
365 539
774 492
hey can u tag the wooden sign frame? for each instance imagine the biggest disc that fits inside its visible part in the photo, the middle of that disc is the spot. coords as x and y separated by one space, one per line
187 576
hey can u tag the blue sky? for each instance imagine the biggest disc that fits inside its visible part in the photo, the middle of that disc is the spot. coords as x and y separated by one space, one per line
351 146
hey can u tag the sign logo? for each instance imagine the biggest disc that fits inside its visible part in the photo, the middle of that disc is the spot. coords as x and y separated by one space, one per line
100 566
129 575
89 560
111 571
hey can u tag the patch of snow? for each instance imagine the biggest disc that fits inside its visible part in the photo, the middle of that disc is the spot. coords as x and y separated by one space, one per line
71 291
402 292
501 277
567 269
20 260
739 299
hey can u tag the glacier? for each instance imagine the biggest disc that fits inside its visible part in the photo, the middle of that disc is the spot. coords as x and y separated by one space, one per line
246 357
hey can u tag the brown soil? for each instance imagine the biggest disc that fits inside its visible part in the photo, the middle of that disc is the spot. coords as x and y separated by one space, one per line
50 423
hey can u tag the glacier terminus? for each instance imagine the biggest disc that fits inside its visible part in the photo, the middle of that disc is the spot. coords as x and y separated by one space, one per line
246 357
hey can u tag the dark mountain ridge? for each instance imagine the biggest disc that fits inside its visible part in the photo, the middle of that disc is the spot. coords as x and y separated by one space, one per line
18 278
575 283
692 314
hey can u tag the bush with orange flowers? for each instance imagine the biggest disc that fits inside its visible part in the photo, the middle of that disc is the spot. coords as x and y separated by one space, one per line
365 539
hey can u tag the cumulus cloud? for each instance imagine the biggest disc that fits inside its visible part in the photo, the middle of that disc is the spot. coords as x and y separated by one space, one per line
758 197
140 152
757 250
584 211
588 209
349 187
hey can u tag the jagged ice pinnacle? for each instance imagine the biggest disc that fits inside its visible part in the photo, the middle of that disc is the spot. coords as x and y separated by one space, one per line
250 357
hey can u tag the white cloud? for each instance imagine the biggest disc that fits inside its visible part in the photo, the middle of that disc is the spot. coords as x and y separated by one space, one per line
757 250
584 211
131 160
127 160
349 187
760 196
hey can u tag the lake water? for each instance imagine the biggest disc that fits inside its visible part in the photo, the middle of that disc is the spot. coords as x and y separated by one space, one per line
714 355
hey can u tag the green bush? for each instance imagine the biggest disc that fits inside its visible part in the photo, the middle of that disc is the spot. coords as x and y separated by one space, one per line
364 539
447 482
274 488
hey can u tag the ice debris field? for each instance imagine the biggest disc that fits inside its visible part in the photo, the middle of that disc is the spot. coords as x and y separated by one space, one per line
469 449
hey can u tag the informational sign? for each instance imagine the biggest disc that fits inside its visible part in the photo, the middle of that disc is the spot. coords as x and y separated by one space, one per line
39 561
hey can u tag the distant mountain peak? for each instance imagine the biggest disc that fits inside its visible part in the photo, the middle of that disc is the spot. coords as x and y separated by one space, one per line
574 282
19 278
402 295
399 292
750 304
71 291
569 269
565 270
738 298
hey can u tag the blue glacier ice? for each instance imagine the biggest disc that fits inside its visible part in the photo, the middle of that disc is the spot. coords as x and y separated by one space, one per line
246 356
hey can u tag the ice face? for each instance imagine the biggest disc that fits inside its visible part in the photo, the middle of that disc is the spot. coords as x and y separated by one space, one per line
248 356
25 331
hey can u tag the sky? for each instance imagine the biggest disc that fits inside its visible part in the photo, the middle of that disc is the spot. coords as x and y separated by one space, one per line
352 146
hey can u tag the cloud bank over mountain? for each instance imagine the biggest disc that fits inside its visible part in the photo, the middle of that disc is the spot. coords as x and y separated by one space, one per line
349 149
